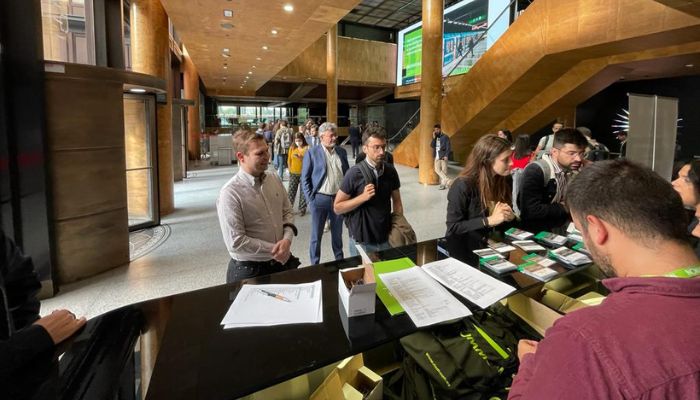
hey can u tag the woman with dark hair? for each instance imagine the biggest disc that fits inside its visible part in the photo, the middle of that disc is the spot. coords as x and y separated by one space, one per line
294 160
480 196
522 154
688 187
505 134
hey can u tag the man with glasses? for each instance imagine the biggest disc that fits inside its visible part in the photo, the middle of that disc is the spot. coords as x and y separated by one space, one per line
322 172
366 196
541 196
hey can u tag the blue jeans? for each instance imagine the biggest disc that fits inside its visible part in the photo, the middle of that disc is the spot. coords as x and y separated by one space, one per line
322 209
369 247
281 164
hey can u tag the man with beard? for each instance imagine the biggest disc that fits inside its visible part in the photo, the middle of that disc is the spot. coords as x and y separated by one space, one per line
640 343
255 214
367 194
541 196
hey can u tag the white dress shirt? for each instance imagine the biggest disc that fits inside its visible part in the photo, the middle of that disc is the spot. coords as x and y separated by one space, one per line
252 213
334 173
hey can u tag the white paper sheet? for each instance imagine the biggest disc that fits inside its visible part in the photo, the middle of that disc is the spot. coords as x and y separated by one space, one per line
253 307
424 300
476 286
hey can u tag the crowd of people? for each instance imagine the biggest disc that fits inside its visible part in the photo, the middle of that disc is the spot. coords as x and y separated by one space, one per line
633 222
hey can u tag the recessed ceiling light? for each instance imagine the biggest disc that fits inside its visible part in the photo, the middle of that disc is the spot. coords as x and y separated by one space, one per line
264 47
258 58
225 50
254 66
137 90
689 65
227 25
288 8
225 55
250 72
225 67
274 31
228 13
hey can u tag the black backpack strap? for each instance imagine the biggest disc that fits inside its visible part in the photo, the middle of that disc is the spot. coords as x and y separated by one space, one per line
366 172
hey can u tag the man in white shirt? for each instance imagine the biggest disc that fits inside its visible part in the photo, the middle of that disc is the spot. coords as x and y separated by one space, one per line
321 175
546 142
255 215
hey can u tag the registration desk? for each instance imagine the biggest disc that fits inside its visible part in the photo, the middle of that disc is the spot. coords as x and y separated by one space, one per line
188 355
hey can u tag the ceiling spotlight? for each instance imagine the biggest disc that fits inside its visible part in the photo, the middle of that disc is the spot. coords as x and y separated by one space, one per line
264 47
258 58
228 13
225 67
137 90
288 8
254 67
227 25
225 55
225 50
689 65
274 31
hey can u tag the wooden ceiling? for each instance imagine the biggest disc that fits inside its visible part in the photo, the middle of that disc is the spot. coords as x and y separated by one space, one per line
255 52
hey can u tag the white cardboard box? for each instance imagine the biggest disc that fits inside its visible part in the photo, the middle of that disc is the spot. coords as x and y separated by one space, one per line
357 298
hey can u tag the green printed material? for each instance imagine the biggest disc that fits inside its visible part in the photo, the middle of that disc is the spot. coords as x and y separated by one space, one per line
498 264
551 238
581 248
689 272
381 267
518 234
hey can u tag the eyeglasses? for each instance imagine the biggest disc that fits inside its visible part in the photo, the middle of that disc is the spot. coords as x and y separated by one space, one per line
378 147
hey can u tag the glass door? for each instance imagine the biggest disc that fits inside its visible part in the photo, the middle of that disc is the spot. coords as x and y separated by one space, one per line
141 171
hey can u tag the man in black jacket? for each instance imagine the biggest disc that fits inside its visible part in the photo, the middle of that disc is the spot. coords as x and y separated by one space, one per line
542 198
25 339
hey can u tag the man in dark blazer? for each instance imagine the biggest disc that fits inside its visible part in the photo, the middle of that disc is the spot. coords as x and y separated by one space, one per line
321 175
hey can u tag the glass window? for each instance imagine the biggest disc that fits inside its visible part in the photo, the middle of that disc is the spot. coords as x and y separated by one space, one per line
68 32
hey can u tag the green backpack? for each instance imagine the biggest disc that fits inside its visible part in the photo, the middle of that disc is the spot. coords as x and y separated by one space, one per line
474 358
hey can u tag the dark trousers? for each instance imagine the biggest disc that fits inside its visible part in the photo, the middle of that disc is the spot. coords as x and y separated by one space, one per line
238 270
321 210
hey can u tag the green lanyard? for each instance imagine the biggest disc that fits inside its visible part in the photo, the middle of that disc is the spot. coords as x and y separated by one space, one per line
687 272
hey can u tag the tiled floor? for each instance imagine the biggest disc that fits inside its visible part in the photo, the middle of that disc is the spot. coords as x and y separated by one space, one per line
194 256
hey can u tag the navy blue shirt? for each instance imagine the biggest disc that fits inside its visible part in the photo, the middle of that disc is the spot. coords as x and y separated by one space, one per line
370 223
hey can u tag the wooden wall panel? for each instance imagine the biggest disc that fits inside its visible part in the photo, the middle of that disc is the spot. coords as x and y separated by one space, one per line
90 245
85 132
359 62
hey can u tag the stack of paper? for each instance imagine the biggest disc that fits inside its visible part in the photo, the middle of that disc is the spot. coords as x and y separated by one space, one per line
581 247
498 264
474 285
500 247
487 253
568 256
528 245
519 234
537 267
425 301
551 239
573 233
392 305
268 305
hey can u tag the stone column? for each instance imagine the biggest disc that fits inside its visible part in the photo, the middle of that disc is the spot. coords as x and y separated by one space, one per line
431 87
332 75
191 83
150 54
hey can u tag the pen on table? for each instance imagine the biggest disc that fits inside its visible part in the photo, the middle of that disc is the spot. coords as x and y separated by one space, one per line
275 295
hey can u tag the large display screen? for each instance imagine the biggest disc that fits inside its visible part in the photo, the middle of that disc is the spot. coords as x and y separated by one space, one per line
463 24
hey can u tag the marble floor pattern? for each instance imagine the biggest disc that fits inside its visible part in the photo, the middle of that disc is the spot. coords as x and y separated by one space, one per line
194 256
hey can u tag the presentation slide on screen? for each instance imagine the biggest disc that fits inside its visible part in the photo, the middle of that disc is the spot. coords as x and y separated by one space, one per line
464 41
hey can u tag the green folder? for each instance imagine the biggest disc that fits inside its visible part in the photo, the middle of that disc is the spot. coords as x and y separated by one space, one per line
381 267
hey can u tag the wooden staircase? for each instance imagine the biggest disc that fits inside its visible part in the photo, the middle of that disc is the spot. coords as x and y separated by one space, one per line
556 55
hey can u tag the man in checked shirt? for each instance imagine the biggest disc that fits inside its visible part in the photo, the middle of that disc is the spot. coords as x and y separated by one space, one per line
255 214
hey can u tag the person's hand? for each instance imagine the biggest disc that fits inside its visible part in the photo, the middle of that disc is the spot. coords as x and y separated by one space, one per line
508 213
499 213
280 251
526 346
60 325
368 193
